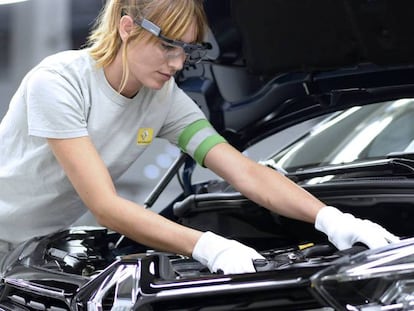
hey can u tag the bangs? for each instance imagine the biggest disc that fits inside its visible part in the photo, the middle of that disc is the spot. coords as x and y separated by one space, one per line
176 17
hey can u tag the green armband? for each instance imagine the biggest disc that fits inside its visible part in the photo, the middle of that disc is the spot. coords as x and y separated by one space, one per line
198 138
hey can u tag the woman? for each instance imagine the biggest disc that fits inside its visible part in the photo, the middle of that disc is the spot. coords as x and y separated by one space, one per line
80 118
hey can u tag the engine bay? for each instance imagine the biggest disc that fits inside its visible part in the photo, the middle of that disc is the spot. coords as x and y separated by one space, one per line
88 252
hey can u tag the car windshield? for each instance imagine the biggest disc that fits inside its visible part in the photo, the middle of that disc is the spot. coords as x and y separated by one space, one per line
359 133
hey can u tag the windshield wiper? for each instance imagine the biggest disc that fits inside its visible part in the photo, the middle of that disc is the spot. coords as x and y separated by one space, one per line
394 166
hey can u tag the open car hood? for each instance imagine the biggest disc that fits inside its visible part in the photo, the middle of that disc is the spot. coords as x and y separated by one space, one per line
307 35
275 63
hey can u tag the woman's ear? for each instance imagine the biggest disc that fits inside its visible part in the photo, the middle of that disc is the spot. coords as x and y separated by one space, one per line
126 25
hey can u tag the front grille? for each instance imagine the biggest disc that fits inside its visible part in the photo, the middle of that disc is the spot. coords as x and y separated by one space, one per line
32 302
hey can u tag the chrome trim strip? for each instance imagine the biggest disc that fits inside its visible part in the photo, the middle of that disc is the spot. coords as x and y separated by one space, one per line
227 287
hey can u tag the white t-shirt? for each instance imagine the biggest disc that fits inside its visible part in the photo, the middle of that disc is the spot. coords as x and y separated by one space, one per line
67 96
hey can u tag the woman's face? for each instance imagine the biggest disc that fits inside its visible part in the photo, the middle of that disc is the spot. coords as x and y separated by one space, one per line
151 63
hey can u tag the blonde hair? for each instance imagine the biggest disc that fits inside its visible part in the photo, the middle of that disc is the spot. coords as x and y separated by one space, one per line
174 17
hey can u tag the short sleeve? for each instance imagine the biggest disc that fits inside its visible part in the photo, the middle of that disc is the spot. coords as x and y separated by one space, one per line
187 127
182 111
55 106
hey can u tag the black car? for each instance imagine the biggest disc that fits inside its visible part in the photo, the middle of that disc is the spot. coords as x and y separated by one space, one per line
347 65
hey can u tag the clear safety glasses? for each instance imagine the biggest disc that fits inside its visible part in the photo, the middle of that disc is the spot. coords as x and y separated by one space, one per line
193 53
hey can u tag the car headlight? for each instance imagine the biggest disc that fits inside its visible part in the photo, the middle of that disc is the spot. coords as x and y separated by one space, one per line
380 279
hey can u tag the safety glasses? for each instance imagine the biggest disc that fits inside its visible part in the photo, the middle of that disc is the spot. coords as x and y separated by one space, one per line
194 53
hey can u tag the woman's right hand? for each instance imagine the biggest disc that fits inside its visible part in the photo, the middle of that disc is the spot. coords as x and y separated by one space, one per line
221 254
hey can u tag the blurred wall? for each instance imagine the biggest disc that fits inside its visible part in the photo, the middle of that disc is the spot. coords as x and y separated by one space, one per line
34 30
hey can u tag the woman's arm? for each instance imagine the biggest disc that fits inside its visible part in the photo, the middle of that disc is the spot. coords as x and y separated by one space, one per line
277 193
90 178
262 184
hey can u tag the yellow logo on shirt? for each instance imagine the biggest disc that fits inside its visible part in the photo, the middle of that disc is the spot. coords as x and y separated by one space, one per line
145 136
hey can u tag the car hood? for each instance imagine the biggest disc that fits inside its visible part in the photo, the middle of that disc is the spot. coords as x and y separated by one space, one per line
299 60
308 35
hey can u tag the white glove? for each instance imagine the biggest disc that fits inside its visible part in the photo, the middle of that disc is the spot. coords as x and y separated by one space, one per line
344 230
230 256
